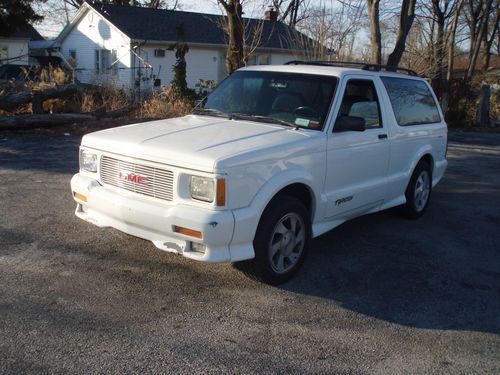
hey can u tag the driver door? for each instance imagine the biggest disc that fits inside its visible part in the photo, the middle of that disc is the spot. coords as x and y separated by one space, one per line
357 162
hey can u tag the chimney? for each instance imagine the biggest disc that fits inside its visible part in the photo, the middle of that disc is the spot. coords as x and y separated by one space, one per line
271 14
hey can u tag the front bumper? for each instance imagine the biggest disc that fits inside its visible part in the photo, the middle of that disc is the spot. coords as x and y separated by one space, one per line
154 221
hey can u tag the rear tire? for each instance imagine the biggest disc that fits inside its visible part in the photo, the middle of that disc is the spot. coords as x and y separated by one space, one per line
418 191
281 242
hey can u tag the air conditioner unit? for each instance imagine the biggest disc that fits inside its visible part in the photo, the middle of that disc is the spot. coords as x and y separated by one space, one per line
159 52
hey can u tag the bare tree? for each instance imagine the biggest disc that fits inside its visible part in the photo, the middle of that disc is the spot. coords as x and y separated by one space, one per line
235 30
291 12
451 43
375 36
334 29
405 22
441 13
479 14
492 29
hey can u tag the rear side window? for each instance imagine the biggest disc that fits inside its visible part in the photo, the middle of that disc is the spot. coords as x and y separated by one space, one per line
412 101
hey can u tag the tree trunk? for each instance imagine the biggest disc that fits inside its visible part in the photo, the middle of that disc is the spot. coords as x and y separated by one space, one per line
489 39
11 101
447 97
375 37
476 44
405 21
53 119
439 51
235 49
451 47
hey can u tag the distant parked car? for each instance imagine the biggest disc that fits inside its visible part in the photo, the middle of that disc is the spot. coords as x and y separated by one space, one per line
29 72
17 72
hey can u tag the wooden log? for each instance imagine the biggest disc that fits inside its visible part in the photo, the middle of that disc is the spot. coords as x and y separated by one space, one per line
119 112
11 101
45 120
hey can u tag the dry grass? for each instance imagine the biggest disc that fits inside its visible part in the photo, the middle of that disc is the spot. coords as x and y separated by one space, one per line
163 105
97 97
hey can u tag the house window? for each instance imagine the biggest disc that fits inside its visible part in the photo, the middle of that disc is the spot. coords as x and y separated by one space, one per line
105 61
4 54
159 52
72 56
264 59
259 60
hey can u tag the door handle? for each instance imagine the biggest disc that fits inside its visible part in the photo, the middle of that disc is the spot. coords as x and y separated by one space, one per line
382 136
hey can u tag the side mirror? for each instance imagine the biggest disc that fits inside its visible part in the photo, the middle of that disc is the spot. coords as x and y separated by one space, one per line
349 123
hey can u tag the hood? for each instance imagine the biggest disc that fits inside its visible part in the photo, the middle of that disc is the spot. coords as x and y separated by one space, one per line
195 142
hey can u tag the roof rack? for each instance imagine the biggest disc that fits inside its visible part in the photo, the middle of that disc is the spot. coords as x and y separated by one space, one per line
362 65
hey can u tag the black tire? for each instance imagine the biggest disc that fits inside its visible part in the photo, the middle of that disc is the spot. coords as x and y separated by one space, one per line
415 208
263 266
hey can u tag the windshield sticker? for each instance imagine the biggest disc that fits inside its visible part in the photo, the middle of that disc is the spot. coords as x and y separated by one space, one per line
301 121
314 124
278 85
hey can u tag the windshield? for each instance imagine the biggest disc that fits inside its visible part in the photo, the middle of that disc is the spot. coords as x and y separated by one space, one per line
290 99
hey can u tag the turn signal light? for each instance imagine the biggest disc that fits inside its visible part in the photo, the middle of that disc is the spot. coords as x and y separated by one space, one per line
221 192
188 232
80 197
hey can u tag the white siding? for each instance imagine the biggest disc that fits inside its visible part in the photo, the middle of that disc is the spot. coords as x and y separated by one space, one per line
16 48
92 32
162 66
202 64
278 58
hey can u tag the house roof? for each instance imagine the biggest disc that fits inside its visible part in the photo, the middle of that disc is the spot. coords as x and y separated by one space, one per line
26 32
141 23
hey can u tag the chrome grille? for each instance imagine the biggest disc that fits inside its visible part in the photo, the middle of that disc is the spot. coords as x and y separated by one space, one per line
141 179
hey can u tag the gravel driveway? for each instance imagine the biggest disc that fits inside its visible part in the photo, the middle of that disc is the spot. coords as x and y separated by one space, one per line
379 294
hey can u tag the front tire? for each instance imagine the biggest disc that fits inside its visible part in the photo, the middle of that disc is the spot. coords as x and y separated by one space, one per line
418 191
281 242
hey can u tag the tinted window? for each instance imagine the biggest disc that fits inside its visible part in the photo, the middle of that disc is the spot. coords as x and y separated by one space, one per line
412 101
360 100
296 99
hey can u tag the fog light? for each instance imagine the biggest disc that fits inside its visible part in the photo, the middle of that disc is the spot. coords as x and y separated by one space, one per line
198 247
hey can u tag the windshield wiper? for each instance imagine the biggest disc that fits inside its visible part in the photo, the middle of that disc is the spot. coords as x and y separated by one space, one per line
260 118
241 116
211 112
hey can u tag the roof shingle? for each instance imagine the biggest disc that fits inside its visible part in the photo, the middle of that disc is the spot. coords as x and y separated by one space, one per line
160 25
26 32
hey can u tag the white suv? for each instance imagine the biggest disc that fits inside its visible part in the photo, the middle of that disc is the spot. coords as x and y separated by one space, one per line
275 156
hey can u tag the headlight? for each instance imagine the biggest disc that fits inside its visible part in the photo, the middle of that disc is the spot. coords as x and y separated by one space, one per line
88 161
202 188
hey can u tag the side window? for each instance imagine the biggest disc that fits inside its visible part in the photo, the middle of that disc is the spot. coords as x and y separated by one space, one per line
412 101
360 100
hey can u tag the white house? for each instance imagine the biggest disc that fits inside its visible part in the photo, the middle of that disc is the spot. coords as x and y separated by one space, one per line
14 48
129 46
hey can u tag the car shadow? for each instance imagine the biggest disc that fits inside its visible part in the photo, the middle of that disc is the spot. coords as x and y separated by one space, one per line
413 283
439 272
